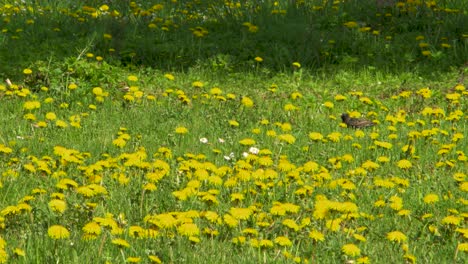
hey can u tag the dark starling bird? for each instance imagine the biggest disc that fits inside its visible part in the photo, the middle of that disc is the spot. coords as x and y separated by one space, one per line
356 122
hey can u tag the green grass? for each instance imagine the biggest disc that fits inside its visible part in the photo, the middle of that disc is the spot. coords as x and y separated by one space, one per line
130 160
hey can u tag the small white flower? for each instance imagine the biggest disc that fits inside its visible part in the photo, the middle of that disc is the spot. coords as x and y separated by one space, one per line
204 140
230 156
220 140
245 154
254 150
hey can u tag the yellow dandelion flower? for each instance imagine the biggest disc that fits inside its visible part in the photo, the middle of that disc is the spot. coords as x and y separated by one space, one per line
154 259
31 105
250 232
340 97
459 176
334 224
360 237
317 236
334 136
119 142
51 116
288 138
58 232
350 24
72 86
383 144
247 102
283 241
404 212
239 240
290 107
211 216
363 260
92 228
27 71
410 258
328 104
3 255
230 220
129 98
29 116
216 91
463 247
370 165
278 210
396 203
296 65
464 187
296 95
133 259
426 53
252 28
271 133
97 91
188 229
351 250
132 78
258 59
423 44
233 123
431 198
265 243
137 231
396 236
291 224
451 220
425 92
197 84
18 252
57 205
181 130
61 124
264 122
247 142
383 183
164 221
404 164
104 8
120 243
241 213
169 76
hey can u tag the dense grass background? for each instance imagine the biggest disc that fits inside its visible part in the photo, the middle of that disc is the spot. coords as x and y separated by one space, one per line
166 66
158 34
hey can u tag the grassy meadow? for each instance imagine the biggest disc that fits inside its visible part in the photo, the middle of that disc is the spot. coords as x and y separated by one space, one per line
210 131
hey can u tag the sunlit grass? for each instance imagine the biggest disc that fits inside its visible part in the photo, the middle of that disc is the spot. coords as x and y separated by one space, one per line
101 162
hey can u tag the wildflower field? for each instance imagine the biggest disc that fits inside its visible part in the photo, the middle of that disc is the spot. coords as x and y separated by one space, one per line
210 131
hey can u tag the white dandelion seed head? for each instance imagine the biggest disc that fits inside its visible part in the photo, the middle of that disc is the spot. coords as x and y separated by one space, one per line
254 150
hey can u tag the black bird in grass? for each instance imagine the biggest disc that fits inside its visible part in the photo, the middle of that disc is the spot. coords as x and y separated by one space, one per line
356 122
